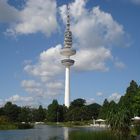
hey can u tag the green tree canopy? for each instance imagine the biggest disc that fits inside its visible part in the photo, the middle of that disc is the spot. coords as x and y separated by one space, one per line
52 112
77 103
11 111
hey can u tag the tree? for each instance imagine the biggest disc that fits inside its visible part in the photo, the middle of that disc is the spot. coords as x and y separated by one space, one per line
132 88
77 103
93 110
40 114
11 111
136 103
77 114
52 112
25 115
2 111
119 120
104 109
129 99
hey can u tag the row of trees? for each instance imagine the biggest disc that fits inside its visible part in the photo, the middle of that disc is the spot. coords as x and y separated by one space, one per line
118 114
14 113
77 111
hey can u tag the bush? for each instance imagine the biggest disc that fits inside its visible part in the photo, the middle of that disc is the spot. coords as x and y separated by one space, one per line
137 129
24 126
96 135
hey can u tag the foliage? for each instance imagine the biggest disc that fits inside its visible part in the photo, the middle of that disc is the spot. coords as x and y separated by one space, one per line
25 115
96 135
118 115
4 120
11 111
131 99
39 114
136 127
7 126
93 111
77 103
119 121
52 113
24 126
104 110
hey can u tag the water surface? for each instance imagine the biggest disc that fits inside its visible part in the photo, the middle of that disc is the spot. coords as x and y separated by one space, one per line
40 132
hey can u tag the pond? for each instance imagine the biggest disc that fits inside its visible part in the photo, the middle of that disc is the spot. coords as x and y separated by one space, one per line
41 132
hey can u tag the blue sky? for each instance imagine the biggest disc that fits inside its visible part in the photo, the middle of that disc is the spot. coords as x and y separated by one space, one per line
105 34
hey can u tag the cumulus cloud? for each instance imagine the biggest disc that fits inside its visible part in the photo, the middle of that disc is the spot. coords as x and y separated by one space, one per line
32 86
92 59
95 32
43 89
35 16
115 97
99 33
48 66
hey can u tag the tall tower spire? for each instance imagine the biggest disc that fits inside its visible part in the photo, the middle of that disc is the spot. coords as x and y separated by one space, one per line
67 51
68 33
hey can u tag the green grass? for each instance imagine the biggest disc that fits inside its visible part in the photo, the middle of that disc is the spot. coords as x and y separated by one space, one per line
11 126
70 123
7 126
98 135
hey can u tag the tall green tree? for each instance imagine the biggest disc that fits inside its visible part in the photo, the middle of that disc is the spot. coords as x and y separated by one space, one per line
104 110
41 114
11 111
77 103
129 99
136 103
25 115
93 110
52 112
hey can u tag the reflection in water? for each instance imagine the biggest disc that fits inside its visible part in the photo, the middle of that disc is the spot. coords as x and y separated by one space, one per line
66 133
40 132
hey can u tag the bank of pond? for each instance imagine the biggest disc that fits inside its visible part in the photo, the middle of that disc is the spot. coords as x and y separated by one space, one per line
12 126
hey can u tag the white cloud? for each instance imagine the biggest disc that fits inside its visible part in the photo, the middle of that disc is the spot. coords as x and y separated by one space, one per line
115 97
48 66
92 59
32 86
7 12
20 100
36 16
55 85
99 93
95 31
46 90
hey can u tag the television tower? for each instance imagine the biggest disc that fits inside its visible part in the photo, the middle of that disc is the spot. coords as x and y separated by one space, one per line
67 51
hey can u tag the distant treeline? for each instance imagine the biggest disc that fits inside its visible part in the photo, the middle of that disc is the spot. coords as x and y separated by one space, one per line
78 110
